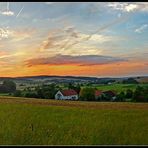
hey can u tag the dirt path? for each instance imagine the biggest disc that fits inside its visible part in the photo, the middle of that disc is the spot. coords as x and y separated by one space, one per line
78 104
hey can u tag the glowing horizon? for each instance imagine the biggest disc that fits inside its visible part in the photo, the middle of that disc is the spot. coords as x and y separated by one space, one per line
101 39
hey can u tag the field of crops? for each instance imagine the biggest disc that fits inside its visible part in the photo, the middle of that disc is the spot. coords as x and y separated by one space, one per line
54 122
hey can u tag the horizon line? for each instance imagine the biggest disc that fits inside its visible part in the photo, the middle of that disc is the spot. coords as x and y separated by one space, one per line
73 76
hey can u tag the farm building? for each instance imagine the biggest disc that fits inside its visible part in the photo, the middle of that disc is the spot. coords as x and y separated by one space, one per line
67 94
98 94
103 95
110 94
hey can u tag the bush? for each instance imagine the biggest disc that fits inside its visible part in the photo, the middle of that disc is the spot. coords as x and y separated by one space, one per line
31 95
129 93
46 91
17 93
121 96
140 94
87 94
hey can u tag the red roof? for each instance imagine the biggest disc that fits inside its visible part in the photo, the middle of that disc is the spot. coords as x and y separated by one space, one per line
98 92
110 92
69 92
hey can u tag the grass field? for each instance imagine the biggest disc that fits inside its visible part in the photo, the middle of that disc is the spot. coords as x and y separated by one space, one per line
119 87
54 122
4 94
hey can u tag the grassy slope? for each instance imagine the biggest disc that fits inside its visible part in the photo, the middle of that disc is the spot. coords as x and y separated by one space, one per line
59 123
119 87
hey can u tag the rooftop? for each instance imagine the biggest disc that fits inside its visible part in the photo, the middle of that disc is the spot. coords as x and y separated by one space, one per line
69 92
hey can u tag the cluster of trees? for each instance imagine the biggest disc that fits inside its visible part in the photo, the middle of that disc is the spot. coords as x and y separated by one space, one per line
124 95
44 91
140 94
7 86
130 81
87 94
77 87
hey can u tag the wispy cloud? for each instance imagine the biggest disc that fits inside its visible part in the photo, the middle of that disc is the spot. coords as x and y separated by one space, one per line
123 6
7 12
18 35
15 35
68 37
4 33
83 60
64 41
7 56
141 28
99 30
2 53
128 7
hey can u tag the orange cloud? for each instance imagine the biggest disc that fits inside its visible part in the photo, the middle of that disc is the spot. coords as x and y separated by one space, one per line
2 53
114 69
72 65
123 68
82 60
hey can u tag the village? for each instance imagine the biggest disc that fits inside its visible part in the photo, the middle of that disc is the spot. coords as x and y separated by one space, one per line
70 94
126 91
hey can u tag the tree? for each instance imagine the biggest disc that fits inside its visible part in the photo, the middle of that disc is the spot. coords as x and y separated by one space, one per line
121 96
8 86
87 94
70 86
129 93
46 91
140 94
77 88
17 93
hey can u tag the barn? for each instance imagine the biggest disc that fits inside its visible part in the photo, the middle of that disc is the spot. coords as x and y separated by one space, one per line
67 94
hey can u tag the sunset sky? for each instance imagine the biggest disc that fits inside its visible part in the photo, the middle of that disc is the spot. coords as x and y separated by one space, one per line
102 39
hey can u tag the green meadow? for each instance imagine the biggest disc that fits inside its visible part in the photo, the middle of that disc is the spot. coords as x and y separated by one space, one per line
54 122
119 87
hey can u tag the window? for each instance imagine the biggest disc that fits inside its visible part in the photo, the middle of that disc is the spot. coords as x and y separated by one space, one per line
73 97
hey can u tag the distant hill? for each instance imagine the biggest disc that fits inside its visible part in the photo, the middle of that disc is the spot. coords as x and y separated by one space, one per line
46 78
142 79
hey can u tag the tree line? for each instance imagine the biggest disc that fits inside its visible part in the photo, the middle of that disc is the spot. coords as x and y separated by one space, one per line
140 94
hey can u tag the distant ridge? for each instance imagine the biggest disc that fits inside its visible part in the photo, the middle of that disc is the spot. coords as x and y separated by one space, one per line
72 77
47 76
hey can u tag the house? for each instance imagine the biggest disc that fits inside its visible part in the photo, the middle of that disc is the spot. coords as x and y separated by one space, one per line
98 94
105 95
110 95
67 94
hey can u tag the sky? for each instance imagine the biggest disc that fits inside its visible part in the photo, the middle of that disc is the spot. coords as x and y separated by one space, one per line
101 39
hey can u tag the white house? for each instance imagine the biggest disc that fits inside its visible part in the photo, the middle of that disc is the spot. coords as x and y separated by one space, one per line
68 94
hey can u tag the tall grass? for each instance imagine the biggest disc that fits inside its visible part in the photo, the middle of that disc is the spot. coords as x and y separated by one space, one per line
28 124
